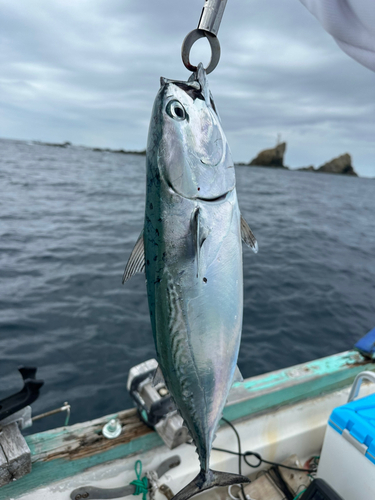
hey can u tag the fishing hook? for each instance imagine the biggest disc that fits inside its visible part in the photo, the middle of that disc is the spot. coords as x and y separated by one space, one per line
208 27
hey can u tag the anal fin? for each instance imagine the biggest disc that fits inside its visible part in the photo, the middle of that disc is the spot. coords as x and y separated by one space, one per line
237 376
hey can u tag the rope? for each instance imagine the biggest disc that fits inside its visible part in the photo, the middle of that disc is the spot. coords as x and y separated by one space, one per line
299 494
141 485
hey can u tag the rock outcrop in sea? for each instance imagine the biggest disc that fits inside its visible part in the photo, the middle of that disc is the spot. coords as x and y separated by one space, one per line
121 151
340 165
101 150
310 168
54 144
273 157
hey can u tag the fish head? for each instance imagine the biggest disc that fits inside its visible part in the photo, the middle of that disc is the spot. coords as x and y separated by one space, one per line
193 155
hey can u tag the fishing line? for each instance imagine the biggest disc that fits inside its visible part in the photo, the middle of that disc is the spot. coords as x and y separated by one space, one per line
262 460
239 451
238 441
256 455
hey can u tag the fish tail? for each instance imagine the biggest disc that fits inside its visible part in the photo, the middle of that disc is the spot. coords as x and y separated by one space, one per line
208 479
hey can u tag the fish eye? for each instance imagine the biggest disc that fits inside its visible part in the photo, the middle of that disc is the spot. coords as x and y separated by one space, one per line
176 110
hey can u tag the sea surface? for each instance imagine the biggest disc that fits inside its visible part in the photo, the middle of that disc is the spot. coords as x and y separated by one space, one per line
69 218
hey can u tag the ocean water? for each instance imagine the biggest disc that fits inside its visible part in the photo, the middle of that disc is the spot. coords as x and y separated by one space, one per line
69 218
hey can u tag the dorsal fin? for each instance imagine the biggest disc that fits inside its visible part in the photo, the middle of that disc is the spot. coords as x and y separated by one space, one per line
247 236
136 262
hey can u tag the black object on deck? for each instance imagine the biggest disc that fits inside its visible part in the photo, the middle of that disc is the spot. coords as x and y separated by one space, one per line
320 490
27 395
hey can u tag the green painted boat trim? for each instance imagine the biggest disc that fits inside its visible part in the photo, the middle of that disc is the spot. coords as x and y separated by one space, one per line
291 385
247 399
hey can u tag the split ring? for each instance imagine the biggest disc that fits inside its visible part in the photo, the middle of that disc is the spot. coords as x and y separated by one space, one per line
189 41
233 497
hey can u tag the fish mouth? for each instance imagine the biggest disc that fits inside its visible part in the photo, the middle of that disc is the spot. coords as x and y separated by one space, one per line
218 198
208 163
221 197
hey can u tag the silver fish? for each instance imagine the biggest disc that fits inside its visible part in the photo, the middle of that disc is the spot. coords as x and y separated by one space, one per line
190 249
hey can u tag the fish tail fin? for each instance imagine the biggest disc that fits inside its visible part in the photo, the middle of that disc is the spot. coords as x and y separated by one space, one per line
208 479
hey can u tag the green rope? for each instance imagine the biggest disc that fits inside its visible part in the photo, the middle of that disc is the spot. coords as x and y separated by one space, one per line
299 494
141 485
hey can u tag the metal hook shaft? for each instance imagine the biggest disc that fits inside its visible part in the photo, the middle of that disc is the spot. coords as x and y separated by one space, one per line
211 16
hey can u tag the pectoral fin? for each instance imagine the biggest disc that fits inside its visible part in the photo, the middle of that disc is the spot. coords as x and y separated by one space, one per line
247 236
136 262
199 235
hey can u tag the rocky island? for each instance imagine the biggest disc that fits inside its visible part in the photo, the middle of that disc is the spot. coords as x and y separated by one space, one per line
121 151
273 157
340 165
101 150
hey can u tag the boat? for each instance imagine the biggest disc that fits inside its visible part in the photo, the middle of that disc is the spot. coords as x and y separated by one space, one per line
279 417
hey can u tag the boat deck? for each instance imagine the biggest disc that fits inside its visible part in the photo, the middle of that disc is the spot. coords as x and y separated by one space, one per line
276 414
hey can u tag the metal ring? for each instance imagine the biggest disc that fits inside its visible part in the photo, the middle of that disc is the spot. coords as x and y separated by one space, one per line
189 41
230 491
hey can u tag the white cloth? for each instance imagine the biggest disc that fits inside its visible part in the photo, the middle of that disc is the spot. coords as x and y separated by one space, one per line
352 25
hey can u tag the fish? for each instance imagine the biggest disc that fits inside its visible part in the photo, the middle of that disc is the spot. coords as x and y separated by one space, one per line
190 250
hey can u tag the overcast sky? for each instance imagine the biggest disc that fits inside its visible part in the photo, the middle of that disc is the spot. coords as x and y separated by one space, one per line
87 71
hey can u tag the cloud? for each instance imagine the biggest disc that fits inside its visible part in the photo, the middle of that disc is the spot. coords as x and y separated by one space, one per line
88 72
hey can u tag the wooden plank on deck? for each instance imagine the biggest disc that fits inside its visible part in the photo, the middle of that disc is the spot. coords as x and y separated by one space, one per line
15 451
5 475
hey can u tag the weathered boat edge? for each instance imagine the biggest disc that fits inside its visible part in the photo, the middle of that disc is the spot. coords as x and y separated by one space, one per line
64 452
293 384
